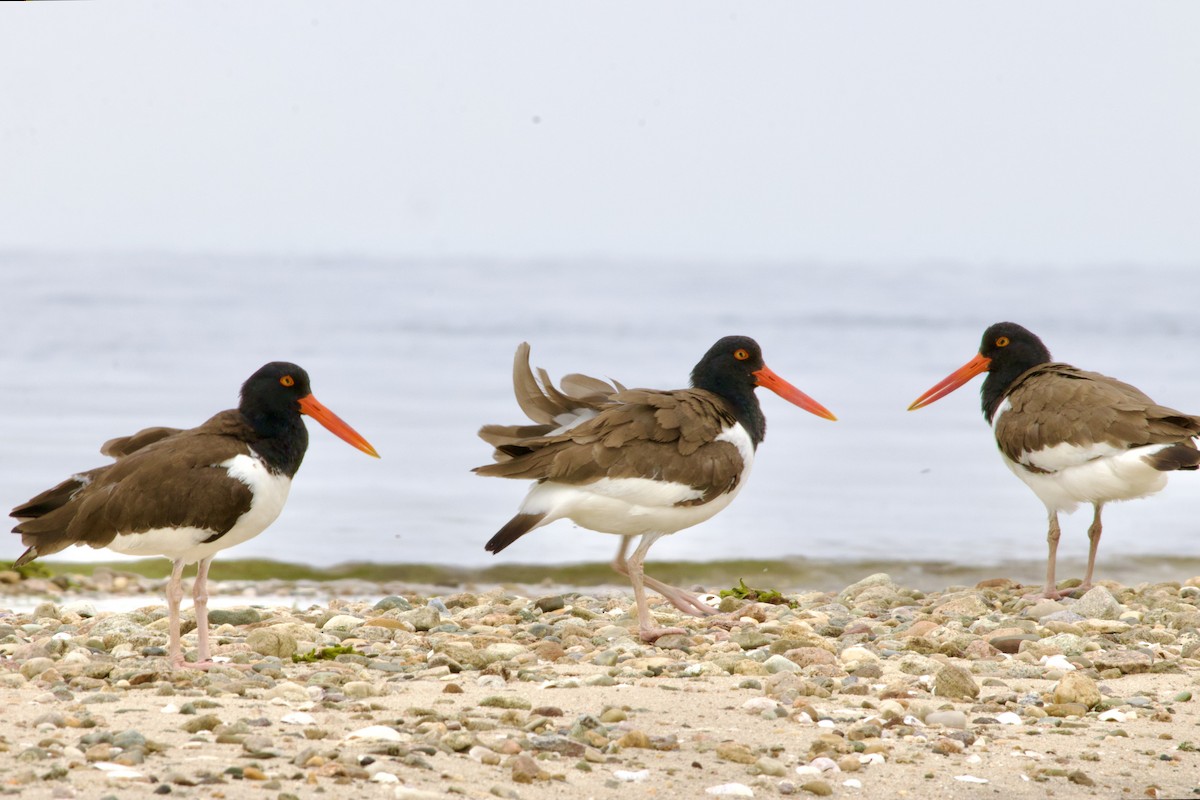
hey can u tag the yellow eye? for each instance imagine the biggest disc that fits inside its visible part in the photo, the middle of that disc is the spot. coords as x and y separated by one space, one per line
741 354
1002 341
287 380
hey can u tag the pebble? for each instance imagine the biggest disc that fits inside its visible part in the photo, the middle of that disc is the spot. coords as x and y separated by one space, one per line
383 733
819 788
947 719
1097 603
1077 688
970 779
631 776
876 673
955 682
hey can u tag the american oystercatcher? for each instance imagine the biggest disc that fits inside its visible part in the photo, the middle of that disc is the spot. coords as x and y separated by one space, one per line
637 462
188 494
1072 436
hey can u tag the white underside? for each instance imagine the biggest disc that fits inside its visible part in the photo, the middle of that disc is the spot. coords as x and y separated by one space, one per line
269 491
635 506
1076 478
568 420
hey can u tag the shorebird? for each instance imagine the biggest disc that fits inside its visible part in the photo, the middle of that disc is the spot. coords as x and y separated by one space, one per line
1072 436
188 494
637 462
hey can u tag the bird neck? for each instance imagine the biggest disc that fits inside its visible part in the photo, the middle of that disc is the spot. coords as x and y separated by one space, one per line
280 440
999 382
743 402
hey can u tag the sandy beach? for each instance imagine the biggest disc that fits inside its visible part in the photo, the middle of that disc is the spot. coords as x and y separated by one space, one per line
877 690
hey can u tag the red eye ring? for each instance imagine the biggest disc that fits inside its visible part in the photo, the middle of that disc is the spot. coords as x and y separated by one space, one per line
741 354
1002 341
287 380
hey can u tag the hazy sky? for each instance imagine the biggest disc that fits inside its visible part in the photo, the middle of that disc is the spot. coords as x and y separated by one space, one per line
990 133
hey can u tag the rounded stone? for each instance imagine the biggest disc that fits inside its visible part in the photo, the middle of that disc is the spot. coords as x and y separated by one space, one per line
272 642
342 622
954 681
1077 688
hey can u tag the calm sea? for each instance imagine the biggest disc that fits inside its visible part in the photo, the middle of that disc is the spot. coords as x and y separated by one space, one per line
417 355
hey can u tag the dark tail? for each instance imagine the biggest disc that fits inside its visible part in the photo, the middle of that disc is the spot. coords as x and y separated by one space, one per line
43 520
51 499
26 557
514 529
1182 456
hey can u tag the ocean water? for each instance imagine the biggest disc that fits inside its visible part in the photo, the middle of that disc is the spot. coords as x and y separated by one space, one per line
417 355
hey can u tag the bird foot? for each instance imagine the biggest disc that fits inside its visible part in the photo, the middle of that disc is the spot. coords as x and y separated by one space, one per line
1050 593
207 664
654 634
723 621
689 603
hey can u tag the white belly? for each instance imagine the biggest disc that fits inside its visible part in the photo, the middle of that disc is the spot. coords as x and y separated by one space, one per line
270 492
1121 475
634 506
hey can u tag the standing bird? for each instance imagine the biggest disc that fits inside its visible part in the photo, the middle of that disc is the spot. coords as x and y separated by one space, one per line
1072 436
187 494
637 462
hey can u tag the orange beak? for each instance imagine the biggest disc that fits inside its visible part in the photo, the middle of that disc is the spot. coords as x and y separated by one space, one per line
333 423
952 381
769 380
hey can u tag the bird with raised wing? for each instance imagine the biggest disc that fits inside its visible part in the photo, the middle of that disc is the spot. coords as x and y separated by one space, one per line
1072 436
188 494
637 462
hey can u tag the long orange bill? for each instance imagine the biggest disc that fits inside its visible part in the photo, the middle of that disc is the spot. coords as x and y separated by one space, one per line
769 380
952 381
333 423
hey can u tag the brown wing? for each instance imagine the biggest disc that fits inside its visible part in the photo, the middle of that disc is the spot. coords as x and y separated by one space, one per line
116 448
1056 403
580 397
124 445
176 481
668 436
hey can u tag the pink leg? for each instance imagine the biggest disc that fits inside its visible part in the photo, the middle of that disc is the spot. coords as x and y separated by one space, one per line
1050 590
1094 537
646 627
1052 537
174 597
685 601
200 601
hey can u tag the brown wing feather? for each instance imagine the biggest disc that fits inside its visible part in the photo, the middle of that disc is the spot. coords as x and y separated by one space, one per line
175 481
549 407
124 445
1055 403
643 433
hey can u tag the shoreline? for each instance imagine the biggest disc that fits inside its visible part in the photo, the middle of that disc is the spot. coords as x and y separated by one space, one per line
878 689
790 574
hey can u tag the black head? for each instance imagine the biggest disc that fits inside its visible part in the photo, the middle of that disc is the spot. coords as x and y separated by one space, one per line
1007 343
273 398
728 367
1010 350
732 368
1007 351
275 390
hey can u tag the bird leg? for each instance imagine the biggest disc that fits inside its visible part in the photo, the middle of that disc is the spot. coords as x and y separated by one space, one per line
174 597
1093 537
1051 591
200 603
685 601
1052 537
646 627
